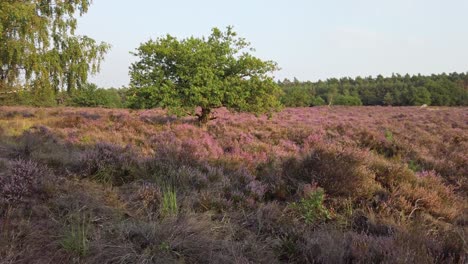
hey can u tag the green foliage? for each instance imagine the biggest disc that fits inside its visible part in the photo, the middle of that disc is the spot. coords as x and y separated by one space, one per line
36 97
419 96
75 239
317 101
311 208
297 96
389 135
142 98
414 166
39 50
347 100
104 175
388 99
92 96
397 90
169 202
217 71
164 246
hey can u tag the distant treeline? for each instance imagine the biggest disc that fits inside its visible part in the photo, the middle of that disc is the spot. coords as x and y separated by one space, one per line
88 95
397 90
438 90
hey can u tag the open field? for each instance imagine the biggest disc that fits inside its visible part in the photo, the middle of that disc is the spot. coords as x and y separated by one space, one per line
309 185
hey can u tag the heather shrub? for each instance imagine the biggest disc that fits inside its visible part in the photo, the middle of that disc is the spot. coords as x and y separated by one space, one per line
430 194
453 247
169 149
70 121
209 201
41 144
24 179
109 163
270 173
416 246
150 117
241 185
169 172
321 246
371 249
340 171
257 189
246 189
450 165
369 224
390 174
185 239
150 197
329 245
383 143
32 140
90 115
3 164
63 157
186 144
271 218
85 198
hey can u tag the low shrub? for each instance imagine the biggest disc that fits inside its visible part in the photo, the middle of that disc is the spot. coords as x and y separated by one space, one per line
347 100
186 144
390 174
92 96
32 140
340 171
385 144
430 194
151 198
244 190
329 245
109 163
185 177
311 208
24 179
183 239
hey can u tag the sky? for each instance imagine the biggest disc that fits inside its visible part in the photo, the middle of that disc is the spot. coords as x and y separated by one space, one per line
309 39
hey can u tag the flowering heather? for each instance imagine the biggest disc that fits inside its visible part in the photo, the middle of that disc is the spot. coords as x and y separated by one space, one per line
392 184
23 180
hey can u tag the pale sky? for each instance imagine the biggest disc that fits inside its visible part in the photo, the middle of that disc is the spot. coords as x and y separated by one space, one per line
309 39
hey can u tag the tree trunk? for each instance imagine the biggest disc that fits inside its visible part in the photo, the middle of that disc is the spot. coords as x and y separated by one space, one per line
205 116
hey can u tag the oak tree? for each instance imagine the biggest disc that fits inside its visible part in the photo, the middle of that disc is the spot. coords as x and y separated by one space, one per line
205 73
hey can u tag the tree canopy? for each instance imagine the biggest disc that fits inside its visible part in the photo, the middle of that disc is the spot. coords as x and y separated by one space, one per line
207 72
437 89
92 96
39 49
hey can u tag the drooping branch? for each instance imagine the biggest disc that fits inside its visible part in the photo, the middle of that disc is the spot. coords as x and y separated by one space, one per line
39 39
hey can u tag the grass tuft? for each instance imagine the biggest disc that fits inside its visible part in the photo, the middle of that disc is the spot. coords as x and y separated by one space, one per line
169 202
76 237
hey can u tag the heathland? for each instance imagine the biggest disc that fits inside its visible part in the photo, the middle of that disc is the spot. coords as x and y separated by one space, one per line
143 180
306 185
